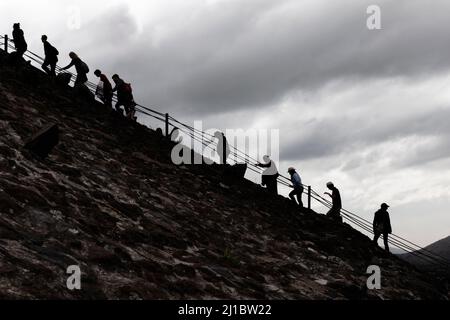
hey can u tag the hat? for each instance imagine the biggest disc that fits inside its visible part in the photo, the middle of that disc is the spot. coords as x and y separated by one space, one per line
384 205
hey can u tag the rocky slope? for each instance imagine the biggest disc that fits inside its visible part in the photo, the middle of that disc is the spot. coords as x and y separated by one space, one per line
109 200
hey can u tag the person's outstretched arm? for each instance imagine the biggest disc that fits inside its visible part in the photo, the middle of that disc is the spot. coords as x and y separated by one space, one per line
69 66
267 165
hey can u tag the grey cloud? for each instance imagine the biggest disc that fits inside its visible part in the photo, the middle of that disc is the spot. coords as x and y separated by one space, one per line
338 135
247 57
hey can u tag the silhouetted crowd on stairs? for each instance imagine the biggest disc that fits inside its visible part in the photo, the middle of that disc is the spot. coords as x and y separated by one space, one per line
105 92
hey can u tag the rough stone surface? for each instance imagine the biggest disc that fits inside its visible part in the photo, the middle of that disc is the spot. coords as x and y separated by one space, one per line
43 142
109 200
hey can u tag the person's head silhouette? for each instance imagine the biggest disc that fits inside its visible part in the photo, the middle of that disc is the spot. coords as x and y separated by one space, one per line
16 26
44 38
116 78
98 73
73 55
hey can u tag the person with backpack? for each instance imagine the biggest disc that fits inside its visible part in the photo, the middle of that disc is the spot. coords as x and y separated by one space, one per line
81 67
382 226
297 185
19 41
124 97
51 57
104 89
270 175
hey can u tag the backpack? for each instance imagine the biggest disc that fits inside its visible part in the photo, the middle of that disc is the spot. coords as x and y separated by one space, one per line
55 51
127 88
84 67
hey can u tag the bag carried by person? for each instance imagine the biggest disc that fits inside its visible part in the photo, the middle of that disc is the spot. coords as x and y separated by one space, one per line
84 67
53 51
127 88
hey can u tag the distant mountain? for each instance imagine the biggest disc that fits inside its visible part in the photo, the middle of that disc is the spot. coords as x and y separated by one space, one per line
440 248
397 251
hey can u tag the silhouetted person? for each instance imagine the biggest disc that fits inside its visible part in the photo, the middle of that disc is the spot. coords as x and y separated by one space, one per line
51 57
382 225
19 41
104 89
297 185
223 148
81 67
270 175
335 211
124 97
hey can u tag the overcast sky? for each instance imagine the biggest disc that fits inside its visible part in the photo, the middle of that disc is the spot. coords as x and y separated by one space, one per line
367 109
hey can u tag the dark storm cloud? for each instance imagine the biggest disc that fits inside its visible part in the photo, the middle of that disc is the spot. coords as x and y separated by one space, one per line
239 55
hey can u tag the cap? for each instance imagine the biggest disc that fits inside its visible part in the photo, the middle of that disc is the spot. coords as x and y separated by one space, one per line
291 169
384 205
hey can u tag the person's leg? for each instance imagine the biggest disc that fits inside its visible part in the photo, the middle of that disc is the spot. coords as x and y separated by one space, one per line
78 80
45 66
108 101
273 185
292 196
299 196
377 237
21 52
81 79
127 109
118 109
386 241
53 68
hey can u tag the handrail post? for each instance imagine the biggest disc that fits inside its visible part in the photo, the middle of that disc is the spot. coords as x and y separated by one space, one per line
224 150
167 125
6 43
309 197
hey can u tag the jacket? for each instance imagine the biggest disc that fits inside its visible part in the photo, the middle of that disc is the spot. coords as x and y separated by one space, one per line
382 222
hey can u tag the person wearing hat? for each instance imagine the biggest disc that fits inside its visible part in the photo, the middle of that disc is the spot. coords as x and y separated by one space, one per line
382 225
335 211
297 185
